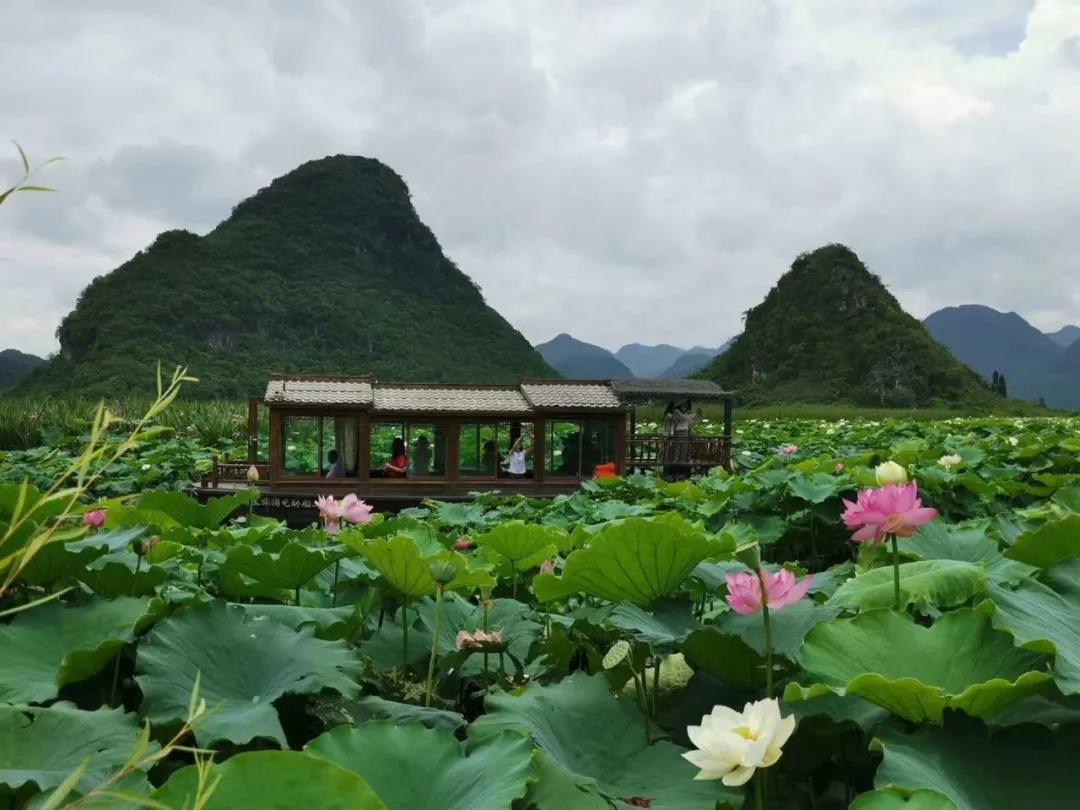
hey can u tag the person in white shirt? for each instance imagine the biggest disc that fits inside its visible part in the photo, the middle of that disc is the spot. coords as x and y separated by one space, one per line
337 469
518 467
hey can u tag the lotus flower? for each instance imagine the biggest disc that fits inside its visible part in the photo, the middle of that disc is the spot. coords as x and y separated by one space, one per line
893 509
463 543
331 511
479 640
547 567
94 519
890 473
732 745
948 462
355 510
253 474
788 450
839 468
781 590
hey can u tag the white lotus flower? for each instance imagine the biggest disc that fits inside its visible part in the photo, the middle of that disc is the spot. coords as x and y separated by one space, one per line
732 745
1013 441
948 462
890 473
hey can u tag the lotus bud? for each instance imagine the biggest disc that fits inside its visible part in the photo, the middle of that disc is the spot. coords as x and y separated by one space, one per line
144 547
442 572
750 556
890 473
547 567
253 474
94 519
463 543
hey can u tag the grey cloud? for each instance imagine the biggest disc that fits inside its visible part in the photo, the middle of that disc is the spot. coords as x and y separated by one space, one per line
621 170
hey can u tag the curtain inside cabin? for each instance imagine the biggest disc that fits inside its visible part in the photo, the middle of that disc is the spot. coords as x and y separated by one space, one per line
345 433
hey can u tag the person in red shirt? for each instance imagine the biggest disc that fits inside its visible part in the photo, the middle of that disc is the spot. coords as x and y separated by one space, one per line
398 464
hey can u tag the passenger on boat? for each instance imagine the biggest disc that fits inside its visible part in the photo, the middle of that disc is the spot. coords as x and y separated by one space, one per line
421 457
337 469
517 467
398 465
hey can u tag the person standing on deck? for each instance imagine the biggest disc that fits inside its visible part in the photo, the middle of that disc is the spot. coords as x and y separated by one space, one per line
682 420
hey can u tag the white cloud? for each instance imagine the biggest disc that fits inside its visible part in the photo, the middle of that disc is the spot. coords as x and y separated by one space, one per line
620 170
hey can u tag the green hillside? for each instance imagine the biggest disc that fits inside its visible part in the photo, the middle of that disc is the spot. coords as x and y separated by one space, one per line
328 270
829 332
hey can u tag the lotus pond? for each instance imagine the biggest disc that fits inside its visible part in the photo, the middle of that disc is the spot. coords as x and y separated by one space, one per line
556 655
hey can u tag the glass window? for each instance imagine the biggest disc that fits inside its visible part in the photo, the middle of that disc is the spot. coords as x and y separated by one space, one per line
340 437
564 448
300 437
515 442
597 445
425 445
479 450
389 458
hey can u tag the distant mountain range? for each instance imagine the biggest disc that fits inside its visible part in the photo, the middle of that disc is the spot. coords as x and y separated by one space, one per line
586 361
1036 365
15 365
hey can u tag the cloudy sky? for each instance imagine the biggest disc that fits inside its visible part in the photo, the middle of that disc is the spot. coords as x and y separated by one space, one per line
618 169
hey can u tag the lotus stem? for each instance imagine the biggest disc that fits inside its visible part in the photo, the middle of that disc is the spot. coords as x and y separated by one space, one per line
759 789
135 576
768 637
296 596
434 645
485 605
337 571
513 590
404 633
896 573
655 685
639 687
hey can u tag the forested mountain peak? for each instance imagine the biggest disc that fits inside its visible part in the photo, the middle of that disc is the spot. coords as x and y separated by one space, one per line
328 269
829 331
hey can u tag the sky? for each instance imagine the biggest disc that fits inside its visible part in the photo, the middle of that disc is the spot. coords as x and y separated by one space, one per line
623 170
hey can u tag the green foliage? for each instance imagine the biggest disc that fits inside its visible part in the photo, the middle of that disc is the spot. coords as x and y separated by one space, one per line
830 332
329 270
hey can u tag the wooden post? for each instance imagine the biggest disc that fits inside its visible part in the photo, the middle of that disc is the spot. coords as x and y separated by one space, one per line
363 447
453 449
253 430
275 445
539 448
620 440
726 453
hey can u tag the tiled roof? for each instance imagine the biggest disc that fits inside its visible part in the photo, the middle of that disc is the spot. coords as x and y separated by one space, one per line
559 394
355 392
449 399
658 389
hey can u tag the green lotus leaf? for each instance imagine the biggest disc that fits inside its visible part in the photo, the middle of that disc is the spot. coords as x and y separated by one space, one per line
487 776
789 626
329 623
56 644
1044 619
638 561
1014 768
1069 498
122 573
598 741
669 622
244 665
42 747
726 657
941 583
519 545
291 568
1054 541
272 780
515 620
816 488
917 672
556 788
335 711
939 540
893 799
60 561
165 509
405 569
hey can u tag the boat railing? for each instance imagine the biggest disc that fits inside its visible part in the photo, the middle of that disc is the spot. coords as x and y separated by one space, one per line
677 453
233 472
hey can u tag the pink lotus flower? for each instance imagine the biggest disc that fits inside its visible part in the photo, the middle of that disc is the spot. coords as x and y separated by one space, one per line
547 567
331 511
253 474
479 640
463 544
355 510
788 450
839 468
95 519
781 590
894 509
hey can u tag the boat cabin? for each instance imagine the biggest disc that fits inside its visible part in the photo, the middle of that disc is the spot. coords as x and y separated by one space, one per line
395 444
